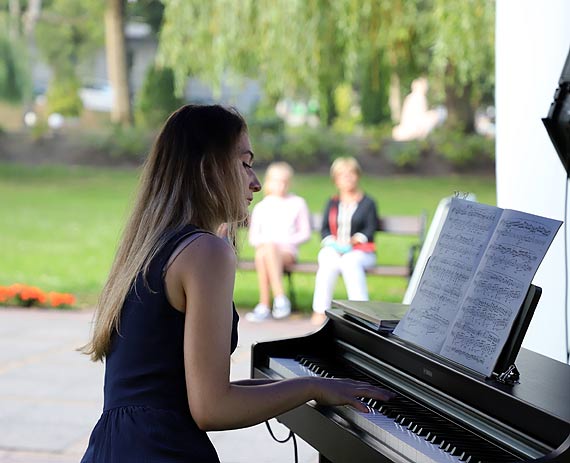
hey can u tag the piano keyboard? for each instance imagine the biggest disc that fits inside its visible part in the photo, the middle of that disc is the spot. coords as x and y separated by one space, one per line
403 425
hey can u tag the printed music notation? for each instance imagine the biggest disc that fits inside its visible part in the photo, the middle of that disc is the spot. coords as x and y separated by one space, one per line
475 282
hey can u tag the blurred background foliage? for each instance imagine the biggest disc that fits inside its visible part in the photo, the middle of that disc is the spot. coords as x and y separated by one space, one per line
341 68
300 50
156 99
308 48
68 32
350 62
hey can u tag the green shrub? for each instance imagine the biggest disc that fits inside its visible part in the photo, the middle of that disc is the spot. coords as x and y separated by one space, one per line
376 136
374 86
267 136
124 143
39 130
63 97
404 154
156 99
348 117
483 148
301 148
307 147
266 145
461 149
15 82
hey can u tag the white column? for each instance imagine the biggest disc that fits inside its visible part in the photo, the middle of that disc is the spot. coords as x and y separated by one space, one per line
532 42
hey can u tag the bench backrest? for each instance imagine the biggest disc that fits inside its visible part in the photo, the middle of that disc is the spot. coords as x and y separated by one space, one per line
404 224
413 225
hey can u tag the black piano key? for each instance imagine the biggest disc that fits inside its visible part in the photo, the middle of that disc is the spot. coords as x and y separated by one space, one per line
455 451
454 440
486 455
402 420
433 438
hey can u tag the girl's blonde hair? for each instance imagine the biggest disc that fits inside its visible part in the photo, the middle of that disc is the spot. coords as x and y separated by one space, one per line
274 168
344 164
191 176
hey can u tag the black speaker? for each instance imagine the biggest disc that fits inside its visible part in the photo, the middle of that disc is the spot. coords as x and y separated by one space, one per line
557 122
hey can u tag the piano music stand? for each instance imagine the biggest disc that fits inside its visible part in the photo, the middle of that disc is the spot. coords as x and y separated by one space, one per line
505 370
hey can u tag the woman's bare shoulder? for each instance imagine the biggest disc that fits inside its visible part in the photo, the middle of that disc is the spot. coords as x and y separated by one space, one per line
199 262
206 252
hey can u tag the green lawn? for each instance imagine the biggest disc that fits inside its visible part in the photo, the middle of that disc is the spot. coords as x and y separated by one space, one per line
60 225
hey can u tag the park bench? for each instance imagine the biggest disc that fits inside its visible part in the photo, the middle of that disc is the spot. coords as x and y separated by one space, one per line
398 225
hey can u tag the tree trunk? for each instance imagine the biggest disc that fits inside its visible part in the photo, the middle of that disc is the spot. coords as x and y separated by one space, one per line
115 44
460 112
327 107
395 98
14 27
31 17
29 20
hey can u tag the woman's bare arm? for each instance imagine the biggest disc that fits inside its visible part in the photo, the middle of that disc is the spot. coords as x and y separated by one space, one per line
206 270
254 382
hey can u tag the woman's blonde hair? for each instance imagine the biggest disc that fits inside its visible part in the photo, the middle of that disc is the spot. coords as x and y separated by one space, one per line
344 164
191 176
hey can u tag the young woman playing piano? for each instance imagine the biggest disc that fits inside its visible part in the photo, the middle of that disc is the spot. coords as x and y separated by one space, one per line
165 323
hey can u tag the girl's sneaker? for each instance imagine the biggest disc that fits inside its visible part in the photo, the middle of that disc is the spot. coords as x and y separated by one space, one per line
259 314
281 307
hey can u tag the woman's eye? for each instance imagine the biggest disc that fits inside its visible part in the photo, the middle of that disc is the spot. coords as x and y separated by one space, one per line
246 165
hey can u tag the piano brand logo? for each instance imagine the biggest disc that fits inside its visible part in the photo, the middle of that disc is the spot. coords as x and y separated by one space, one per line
427 372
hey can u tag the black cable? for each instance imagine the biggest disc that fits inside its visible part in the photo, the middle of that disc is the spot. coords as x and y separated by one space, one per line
566 270
290 436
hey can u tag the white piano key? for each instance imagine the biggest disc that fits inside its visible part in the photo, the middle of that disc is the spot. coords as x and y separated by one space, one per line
386 430
398 437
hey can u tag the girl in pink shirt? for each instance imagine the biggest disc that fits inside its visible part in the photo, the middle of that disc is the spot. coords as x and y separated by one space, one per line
278 225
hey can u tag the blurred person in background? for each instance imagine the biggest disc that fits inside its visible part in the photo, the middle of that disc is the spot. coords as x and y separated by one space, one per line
279 224
350 221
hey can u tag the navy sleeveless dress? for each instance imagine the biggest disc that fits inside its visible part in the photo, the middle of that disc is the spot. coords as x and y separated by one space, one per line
146 417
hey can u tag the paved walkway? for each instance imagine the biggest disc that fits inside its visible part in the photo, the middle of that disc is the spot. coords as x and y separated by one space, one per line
51 395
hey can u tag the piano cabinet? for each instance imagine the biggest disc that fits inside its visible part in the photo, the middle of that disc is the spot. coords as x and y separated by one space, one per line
443 413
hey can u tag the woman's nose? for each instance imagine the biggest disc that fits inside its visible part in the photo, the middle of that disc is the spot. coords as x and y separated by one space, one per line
254 184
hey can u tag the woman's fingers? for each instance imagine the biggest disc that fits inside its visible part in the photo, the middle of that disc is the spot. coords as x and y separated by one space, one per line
359 405
377 393
367 391
351 392
372 392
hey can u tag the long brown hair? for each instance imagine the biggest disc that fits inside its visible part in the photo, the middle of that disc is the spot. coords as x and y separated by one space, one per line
190 176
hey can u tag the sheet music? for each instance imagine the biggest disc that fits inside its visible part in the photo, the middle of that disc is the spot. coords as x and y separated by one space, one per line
463 238
499 287
475 282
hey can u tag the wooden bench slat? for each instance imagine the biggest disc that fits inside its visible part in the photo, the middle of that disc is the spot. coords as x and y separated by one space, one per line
402 225
246 265
396 224
311 267
389 271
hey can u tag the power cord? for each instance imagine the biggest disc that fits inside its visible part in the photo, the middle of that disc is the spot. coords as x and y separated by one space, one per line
290 436
566 309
